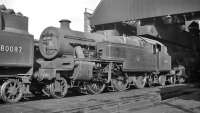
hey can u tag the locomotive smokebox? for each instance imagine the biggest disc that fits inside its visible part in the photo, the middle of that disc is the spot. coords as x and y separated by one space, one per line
57 42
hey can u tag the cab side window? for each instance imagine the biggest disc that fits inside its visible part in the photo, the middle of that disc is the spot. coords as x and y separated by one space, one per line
156 48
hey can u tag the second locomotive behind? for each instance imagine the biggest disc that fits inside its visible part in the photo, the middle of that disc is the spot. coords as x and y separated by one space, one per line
16 55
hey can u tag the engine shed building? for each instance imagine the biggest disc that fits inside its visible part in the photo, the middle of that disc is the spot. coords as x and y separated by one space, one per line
127 14
112 11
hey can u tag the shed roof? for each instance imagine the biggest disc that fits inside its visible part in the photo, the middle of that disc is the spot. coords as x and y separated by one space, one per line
109 11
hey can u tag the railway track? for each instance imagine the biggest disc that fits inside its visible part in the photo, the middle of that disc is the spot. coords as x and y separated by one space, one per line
73 93
111 102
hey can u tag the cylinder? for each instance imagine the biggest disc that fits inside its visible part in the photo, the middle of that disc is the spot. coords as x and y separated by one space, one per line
55 42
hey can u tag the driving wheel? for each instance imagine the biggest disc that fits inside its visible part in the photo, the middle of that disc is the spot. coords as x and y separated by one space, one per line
120 83
95 87
140 81
59 88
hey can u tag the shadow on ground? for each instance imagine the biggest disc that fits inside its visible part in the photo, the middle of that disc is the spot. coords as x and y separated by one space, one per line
177 91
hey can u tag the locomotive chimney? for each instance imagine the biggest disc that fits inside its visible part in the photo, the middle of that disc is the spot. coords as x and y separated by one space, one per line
65 24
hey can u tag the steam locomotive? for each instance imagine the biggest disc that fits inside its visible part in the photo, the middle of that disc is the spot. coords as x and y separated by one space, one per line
64 59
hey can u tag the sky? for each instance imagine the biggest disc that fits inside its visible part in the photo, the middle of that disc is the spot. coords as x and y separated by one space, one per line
44 13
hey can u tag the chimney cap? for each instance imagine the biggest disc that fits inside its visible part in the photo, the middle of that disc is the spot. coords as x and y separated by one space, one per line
65 20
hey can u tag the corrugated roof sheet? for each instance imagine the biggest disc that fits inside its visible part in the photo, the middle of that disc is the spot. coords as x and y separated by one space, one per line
109 11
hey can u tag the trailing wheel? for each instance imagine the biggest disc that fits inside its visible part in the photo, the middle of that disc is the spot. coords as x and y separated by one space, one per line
95 87
120 83
140 81
181 80
162 80
150 82
59 88
172 80
11 91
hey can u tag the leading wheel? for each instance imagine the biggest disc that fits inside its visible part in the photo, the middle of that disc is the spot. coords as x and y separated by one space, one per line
95 87
120 83
59 88
140 81
11 91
